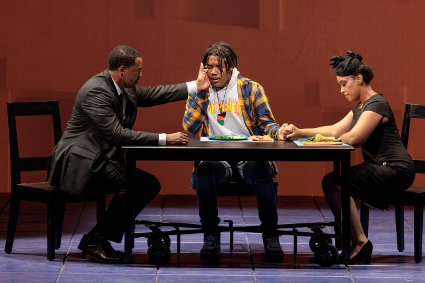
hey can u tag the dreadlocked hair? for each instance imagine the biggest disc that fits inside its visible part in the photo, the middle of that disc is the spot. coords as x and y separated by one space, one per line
224 52
351 65
122 56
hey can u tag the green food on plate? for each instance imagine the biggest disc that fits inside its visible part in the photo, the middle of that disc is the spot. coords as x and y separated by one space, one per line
227 137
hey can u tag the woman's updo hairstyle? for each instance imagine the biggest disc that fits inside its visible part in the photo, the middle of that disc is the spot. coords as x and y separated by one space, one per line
351 65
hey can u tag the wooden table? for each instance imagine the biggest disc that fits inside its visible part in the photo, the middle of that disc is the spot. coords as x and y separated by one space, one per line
234 150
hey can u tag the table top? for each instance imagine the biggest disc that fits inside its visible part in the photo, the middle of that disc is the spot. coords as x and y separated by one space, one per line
234 150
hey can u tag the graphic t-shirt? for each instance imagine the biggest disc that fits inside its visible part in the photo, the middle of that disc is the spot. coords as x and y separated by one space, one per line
224 110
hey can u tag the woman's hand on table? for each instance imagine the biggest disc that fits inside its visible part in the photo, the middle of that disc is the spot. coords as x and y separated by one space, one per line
177 138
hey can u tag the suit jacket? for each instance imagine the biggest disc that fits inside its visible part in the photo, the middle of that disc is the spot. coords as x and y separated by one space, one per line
96 130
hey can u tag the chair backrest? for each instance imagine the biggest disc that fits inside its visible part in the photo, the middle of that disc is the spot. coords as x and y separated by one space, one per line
418 112
15 109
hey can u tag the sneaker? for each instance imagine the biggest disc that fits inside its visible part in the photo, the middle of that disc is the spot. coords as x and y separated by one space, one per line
272 247
211 245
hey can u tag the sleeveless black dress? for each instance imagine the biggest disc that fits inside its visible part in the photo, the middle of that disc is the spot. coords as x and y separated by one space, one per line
387 167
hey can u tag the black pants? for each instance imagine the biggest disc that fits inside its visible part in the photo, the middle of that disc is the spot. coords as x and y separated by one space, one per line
112 180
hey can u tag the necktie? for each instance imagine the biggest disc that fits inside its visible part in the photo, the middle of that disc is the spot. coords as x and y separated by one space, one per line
126 117
124 103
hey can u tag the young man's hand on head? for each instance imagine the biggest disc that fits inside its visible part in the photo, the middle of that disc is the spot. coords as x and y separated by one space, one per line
202 82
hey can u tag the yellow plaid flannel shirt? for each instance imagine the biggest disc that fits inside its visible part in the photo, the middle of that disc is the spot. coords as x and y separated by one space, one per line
255 108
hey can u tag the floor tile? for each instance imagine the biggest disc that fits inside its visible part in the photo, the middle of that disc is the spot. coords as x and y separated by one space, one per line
205 278
23 276
106 278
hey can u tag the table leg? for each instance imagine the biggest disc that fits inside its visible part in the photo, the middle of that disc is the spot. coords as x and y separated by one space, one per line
130 168
345 211
337 227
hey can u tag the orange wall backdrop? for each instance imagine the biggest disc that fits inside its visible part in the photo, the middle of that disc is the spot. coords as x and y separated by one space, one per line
49 49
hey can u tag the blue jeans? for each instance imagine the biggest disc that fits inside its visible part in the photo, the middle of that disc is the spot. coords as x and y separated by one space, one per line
257 173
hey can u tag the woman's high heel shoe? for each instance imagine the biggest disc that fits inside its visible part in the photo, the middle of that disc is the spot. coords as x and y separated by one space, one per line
364 254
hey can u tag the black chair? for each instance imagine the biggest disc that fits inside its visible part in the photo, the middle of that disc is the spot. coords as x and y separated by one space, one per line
414 196
41 191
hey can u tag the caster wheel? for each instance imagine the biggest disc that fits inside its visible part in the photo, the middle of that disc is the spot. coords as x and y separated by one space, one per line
158 253
165 239
326 255
314 242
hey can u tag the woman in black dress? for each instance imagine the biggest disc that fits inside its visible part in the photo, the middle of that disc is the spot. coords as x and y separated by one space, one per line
387 166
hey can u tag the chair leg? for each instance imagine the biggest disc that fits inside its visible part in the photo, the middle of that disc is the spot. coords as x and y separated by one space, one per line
100 207
364 217
338 242
418 225
60 214
11 227
399 224
51 231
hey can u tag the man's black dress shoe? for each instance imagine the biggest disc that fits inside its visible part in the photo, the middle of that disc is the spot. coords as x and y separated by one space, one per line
99 249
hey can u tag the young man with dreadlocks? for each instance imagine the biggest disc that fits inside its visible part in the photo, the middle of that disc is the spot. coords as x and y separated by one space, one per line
228 104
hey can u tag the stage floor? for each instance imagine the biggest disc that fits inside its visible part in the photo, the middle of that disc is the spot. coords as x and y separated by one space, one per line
28 261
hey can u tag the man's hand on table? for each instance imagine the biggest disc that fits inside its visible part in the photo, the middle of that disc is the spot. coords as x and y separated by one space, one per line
177 138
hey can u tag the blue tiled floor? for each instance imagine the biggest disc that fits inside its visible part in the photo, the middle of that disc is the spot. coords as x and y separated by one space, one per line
28 262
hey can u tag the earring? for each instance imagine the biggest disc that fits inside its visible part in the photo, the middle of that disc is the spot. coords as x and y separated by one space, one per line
360 83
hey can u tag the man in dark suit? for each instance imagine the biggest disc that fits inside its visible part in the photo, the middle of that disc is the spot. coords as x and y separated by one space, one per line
88 158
